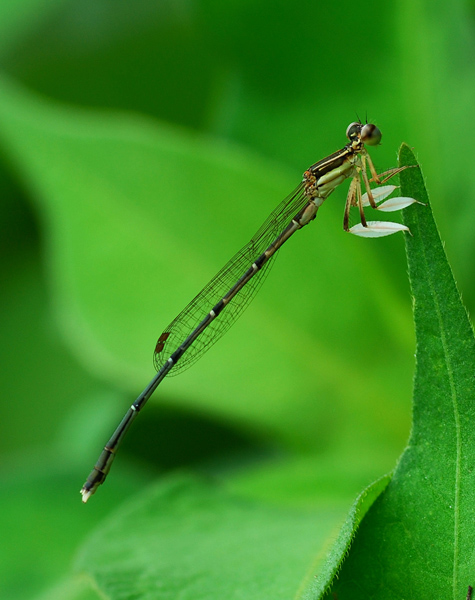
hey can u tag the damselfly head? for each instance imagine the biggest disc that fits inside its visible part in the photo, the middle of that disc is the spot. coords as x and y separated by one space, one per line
369 134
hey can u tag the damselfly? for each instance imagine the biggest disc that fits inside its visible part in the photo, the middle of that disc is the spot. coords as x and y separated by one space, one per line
210 314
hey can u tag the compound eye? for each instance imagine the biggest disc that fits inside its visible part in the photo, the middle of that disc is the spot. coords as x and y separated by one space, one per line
353 130
371 135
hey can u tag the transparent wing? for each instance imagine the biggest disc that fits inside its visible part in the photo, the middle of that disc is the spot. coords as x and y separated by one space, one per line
181 327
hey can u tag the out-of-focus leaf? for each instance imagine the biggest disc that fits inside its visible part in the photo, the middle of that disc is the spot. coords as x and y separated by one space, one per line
75 588
189 540
17 18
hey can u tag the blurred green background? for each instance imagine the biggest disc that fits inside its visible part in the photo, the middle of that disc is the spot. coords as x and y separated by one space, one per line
141 144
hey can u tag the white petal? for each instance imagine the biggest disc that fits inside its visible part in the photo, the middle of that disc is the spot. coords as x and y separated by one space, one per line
377 229
378 194
397 203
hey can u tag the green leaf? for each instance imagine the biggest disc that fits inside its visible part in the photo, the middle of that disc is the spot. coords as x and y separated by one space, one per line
417 540
340 548
184 539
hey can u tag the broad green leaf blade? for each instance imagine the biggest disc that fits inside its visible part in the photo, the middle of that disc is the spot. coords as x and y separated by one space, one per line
417 541
340 548
184 539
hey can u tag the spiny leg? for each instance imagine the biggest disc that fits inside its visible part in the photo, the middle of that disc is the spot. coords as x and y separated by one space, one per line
374 175
390 173
350 202
375 228
366 180
359 201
